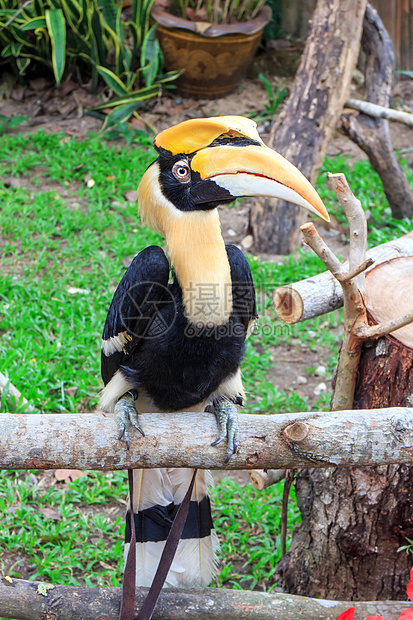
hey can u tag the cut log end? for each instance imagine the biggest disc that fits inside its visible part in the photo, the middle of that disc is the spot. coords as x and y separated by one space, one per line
389 294
263 478
288 304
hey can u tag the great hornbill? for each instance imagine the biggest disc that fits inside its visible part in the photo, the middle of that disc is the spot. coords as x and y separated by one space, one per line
176 345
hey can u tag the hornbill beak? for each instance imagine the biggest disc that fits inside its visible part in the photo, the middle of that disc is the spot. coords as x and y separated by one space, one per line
228 160
253 170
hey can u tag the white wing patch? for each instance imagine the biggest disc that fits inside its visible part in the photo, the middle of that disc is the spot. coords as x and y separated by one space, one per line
115 343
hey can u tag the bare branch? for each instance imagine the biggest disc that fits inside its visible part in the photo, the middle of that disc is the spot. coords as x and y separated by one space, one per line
375 331
322 293
354 310
319 247
355 272
33 600
357 222
379 111
281 441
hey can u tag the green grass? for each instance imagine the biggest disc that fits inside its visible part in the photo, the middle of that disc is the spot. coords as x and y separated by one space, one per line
67 543
66 231
248 525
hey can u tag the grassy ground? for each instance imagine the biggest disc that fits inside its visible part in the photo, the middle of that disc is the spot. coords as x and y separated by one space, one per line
67 233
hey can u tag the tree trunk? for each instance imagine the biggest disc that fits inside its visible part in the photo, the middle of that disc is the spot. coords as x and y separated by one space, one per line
309 117
355 519
371 134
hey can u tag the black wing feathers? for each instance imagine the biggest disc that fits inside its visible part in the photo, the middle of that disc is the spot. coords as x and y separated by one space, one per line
133 307
243 292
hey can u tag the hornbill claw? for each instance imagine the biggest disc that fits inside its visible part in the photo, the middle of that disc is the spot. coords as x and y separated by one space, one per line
226 414
126 414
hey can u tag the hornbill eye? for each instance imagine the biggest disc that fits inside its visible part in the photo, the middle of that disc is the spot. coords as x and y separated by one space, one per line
181 171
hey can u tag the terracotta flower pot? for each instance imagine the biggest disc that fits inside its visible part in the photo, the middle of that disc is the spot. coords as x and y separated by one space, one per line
212 62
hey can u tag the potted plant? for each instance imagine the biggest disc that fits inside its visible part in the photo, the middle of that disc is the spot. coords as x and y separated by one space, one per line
210 41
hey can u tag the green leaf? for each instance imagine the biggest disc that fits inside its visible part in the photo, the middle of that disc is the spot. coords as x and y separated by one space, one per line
109 12
15 49
56 27
169 77
6 52
96 26
73 14
22 64
20 36
403 72
139 95
120 114
150 56
112 80
36 22
38 7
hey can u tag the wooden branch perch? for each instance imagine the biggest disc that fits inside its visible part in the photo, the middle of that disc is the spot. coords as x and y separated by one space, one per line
281 441
33 600
322 293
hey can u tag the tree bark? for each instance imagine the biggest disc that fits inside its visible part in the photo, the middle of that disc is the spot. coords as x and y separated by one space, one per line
372 135
309 117
355 519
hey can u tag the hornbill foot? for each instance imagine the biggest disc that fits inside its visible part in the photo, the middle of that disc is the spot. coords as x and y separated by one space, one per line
126 414
226 414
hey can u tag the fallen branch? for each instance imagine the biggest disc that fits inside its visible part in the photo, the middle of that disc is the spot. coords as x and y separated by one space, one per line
13 391
262 479
379 111
33 600
281 441
322 293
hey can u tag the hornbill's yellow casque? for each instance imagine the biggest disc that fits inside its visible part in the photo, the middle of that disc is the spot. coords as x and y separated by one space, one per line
175 346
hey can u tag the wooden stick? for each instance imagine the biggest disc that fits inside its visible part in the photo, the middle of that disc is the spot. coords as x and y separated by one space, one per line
379 111
356 271
13 391
34 600
375 331
319 247
262 479
322 293
280 441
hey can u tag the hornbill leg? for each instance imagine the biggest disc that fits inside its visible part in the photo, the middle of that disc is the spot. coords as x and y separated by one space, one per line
126 414
226 414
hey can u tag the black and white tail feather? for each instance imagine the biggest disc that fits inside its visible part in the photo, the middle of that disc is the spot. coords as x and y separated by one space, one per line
158 494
